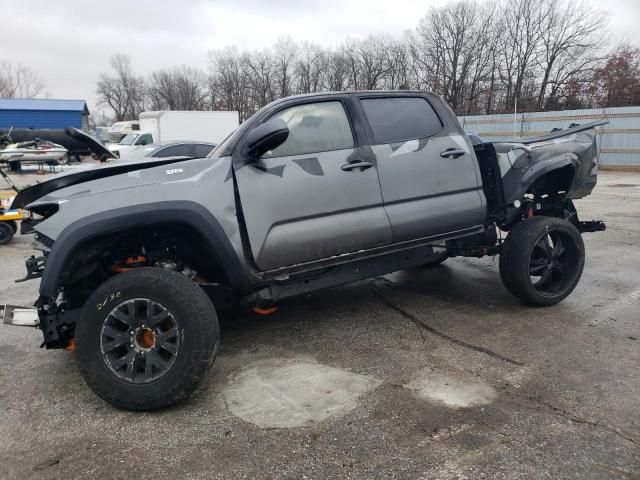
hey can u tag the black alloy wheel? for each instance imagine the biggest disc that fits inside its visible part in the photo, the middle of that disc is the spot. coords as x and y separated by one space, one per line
542 259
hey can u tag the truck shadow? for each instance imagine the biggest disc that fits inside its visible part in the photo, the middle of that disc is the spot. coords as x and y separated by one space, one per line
455 286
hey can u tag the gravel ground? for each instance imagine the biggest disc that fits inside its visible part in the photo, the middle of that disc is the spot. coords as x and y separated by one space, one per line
432 373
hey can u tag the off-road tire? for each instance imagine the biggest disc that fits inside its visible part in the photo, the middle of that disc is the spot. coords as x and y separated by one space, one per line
196 319
6 233
517 252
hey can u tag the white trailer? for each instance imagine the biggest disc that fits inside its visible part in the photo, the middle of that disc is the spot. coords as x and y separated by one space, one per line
205 126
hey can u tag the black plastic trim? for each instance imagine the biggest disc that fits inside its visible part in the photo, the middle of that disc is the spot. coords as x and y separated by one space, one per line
188 213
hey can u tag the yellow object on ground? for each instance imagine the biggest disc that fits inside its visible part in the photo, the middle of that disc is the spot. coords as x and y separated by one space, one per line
10 215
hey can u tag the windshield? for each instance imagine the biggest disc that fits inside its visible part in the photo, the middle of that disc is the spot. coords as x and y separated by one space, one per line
129 139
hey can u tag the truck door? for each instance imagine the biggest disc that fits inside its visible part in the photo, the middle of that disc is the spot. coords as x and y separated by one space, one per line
315 196
430 179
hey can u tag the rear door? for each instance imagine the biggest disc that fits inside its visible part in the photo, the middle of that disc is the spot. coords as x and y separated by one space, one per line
429 175
305 200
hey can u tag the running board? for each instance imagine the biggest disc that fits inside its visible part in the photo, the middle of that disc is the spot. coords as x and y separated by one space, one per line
19 316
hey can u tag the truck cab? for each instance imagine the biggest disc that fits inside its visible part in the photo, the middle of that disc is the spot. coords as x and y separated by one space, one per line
129 142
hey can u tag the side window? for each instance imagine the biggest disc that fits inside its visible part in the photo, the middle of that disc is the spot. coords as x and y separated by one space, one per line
202 150
174 151
400 118
314 127
145 139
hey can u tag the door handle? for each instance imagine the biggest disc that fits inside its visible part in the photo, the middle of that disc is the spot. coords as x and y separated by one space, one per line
347 167
452 153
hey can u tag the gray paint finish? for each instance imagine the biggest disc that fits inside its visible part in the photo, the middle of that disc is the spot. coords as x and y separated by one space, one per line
198 182
425 194
303 208
302 216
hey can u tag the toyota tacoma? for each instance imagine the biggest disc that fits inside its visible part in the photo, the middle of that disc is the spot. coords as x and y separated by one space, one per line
311 192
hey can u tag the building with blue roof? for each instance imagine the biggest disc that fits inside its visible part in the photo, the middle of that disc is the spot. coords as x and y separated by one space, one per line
41 113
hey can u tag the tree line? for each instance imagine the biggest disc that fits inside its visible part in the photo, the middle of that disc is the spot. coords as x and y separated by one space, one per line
481 57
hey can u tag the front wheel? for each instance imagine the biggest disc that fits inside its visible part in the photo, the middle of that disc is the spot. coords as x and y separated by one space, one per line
542 260
146 338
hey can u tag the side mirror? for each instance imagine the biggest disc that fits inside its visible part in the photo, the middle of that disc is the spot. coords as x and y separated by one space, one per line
267 136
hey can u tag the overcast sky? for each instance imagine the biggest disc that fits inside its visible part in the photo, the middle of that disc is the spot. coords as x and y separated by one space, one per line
69 41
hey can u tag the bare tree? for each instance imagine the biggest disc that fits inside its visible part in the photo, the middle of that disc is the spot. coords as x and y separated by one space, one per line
373 59
521 45
284 54
571 34
123 91
451 36
308 68
480 56
230 81
336 76
182 88
399 74
18 81
261 70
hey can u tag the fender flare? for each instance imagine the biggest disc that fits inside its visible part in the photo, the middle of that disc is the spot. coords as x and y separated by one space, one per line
520 182
188 213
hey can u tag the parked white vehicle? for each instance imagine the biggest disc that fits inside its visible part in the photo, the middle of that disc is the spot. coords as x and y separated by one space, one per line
200 126
130 142
119 130
178 125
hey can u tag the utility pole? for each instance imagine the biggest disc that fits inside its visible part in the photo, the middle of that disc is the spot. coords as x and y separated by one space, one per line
515 115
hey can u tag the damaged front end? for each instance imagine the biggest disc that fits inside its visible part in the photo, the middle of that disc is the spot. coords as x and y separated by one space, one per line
541 176
50 315
57 324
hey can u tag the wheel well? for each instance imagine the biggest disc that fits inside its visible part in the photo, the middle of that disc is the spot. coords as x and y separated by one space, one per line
553 183
173 246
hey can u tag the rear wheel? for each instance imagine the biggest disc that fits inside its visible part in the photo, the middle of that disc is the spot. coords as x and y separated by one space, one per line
146 338
542 260
6 233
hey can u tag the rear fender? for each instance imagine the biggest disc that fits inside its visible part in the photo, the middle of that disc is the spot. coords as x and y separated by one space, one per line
523 164
518 181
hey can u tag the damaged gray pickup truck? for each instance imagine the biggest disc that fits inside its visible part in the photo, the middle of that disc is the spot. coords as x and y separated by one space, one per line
311 192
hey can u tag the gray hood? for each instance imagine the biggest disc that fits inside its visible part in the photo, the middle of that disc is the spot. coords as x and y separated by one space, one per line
113 180
87 174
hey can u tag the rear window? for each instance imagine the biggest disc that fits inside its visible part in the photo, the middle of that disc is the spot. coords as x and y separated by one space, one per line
400 118
202 150
183 150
